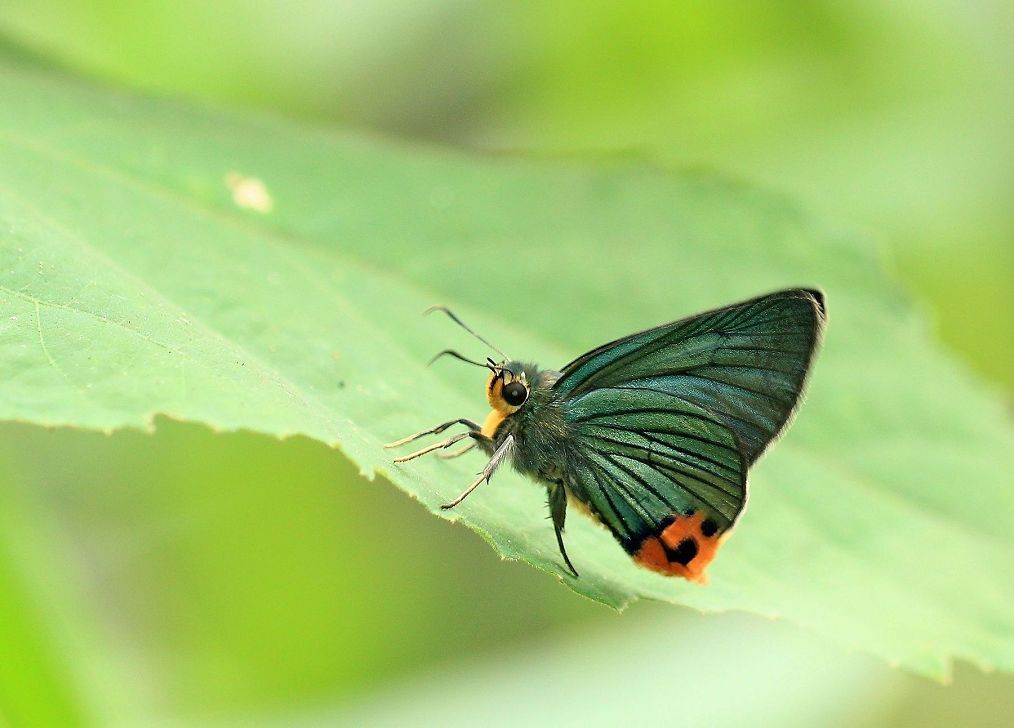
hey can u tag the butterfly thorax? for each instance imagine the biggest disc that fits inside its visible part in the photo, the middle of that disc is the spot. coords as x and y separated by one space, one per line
541 434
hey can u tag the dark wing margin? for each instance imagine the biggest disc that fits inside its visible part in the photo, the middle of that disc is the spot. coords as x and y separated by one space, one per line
744 364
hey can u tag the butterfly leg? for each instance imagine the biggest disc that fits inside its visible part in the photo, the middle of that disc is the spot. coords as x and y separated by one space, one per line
478 436
456 453
558 512
434 431
487 472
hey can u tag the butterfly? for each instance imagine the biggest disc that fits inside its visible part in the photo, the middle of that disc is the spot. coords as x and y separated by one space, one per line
652 434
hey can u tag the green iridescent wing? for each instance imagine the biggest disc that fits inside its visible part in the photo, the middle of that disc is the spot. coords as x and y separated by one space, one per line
667 421
667 478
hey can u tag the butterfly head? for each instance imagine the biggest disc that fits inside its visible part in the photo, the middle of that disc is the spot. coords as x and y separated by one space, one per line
507 388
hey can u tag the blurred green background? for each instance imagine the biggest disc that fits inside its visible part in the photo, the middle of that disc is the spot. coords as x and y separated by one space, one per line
199 577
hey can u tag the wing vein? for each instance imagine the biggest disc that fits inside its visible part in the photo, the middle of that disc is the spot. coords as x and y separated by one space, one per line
662 443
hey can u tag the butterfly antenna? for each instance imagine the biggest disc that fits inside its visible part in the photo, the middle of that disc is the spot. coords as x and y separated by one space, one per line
465 326
459 357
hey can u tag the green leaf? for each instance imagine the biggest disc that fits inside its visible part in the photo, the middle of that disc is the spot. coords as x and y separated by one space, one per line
250 273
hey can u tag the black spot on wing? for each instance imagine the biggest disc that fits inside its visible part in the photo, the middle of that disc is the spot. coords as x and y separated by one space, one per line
684 552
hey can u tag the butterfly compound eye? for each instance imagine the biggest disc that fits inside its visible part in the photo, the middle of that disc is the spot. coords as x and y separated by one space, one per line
515 394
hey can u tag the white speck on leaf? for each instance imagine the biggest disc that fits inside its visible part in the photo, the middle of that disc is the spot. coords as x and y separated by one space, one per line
249 193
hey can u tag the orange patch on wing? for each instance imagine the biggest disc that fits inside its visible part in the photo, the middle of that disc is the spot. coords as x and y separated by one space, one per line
652 555
668 552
